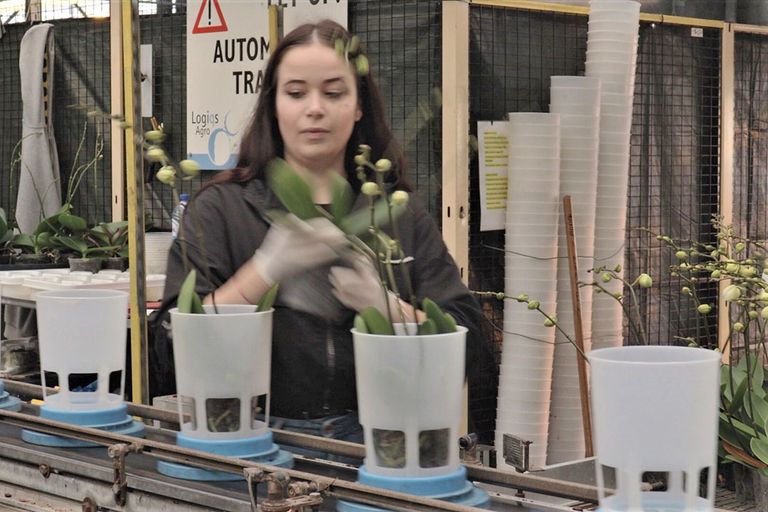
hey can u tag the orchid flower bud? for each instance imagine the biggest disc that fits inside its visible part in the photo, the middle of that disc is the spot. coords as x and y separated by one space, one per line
550 322
156 154
383 165
704 309
731 293
369 188
747 271
738 326
166 175
400 198
764 313
534 304
681 255
361 65
154 136
189 168
644 280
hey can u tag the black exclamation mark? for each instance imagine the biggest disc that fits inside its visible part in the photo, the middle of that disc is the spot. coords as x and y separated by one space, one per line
209 11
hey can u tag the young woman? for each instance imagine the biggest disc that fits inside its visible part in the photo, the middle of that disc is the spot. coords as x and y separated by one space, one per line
315 109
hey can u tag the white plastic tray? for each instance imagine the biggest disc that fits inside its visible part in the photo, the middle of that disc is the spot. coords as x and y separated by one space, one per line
23 284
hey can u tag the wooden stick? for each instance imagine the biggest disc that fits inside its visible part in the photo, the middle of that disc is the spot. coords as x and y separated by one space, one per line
581 363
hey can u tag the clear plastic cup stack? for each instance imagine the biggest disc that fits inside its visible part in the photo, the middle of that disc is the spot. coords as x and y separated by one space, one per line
531 269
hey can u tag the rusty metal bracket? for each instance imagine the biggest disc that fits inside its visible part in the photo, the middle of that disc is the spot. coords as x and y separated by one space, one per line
282 494
117 453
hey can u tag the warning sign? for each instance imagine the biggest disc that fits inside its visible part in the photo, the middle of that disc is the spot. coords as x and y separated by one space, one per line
227 49
209 20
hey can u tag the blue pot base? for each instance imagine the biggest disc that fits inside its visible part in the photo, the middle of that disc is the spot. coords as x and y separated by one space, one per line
277 457
129 428
453 488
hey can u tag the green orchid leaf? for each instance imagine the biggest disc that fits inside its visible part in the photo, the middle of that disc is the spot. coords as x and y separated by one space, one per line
341 197
376 322
24 240
43 241
759 447
360 325
49 225
758 376
738 396
78 246
760 414
740 426
268 299
730 379
74 223
189 300
427 327
292 191
3 222
444 323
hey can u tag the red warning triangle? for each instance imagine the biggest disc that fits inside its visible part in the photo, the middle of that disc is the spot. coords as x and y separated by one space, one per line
209 25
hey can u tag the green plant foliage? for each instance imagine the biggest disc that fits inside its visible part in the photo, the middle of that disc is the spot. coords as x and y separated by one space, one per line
292 191
268 299
189 301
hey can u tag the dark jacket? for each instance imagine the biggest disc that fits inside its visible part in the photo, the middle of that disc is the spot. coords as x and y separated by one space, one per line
312 357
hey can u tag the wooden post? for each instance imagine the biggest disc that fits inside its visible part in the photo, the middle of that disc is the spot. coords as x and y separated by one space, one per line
581 363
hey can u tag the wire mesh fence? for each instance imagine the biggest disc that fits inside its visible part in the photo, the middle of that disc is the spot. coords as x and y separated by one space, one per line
674 172
674 167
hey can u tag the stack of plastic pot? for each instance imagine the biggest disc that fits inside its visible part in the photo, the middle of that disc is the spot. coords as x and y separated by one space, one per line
611 56
530 269
577 100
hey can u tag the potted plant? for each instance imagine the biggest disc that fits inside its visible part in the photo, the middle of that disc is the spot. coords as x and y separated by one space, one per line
409 376
6 239
738 266
112 239
222 356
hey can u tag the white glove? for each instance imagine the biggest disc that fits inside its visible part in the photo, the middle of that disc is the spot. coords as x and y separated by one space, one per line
359 287
292 246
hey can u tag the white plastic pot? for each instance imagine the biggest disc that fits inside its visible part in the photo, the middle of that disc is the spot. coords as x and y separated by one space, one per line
409 395
655 408
82 333
223 364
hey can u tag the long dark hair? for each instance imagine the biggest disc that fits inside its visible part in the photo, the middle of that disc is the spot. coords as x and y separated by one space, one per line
262 142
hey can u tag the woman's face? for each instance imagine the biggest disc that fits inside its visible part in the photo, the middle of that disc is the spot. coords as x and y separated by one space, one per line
317 107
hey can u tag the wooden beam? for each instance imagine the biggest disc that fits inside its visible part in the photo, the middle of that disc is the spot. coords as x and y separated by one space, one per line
727 180
455 180
117 145
135 191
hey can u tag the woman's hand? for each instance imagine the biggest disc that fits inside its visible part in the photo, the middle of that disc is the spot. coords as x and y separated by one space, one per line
292 246
359 287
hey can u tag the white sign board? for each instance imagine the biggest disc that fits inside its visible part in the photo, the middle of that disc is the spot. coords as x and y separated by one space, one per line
493 157
227 51
298 12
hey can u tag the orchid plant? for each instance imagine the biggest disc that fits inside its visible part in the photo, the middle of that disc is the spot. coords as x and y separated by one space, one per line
364 230
169 173
741 265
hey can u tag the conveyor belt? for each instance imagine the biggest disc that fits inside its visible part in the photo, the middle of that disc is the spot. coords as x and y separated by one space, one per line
87 475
